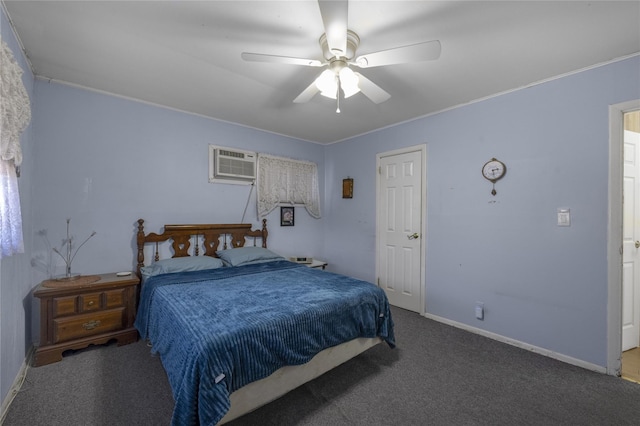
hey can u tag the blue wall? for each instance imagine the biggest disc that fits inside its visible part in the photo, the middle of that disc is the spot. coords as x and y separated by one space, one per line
541 284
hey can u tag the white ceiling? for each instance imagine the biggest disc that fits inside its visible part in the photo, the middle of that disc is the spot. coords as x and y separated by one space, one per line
186 55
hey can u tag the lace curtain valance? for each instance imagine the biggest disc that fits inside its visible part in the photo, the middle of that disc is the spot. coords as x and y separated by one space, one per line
14 107
287 181
15 113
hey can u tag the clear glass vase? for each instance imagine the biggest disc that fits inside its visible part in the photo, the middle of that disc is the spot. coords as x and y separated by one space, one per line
68 275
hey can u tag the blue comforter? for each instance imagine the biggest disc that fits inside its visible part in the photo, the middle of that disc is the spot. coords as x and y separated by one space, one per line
221 329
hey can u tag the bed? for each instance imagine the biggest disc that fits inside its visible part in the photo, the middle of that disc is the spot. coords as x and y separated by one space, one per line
237 326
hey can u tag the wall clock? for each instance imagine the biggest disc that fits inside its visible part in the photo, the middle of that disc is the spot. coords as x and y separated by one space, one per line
493 170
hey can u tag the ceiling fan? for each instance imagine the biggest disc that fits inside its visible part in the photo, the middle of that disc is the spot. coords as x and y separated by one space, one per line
339 46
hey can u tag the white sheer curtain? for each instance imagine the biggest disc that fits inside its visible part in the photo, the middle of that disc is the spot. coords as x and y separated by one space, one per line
10 215
289 182
15 112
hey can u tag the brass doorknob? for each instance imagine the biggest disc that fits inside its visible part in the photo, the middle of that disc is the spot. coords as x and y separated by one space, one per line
416 235
637 244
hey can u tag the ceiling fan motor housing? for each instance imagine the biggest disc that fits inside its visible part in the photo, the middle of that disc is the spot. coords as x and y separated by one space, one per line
353 41
337 64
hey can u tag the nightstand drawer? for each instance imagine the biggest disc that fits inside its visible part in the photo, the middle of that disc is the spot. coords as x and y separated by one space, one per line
87 325
114 298
89 302
64 306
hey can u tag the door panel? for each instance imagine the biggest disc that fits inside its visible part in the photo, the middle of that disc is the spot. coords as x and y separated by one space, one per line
400 217
631 234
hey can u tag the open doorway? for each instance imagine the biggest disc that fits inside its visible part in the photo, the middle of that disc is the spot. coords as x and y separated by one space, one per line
630 360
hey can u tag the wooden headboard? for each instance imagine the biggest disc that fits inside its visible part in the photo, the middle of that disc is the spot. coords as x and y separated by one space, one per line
205 236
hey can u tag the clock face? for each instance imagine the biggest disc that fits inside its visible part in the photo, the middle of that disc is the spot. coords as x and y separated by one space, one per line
493 170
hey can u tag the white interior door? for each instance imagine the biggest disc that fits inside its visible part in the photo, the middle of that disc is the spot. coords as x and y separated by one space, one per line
400 248
631 242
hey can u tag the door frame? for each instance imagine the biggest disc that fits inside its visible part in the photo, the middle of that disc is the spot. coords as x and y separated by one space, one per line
422 148
614 232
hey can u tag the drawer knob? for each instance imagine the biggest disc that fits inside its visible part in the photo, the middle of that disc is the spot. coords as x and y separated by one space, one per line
91 303
91 324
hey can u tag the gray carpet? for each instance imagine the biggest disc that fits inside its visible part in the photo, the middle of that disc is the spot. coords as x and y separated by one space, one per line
438 375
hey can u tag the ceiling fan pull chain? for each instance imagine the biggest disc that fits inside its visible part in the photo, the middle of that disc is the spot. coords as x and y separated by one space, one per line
338 96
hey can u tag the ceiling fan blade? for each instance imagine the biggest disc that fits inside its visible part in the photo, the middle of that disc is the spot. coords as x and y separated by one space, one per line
334 16
426 51
371 90
274 59
307 93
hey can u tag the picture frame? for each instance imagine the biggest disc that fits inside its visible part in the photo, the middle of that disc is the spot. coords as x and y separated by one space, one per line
287 216
347 188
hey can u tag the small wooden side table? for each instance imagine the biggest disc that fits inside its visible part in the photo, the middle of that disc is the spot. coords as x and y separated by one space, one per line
320 264
74 316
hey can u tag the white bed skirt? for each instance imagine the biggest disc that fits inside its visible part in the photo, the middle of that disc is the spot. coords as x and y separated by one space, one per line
261 392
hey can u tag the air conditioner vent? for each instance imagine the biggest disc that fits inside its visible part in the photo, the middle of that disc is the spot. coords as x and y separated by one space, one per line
229 165
227 153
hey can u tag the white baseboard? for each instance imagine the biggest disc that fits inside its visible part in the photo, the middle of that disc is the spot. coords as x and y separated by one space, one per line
17 384
519 344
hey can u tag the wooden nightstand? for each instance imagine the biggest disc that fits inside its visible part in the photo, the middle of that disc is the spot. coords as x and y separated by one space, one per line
75 316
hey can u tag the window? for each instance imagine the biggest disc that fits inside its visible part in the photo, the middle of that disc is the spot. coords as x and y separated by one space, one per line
15 114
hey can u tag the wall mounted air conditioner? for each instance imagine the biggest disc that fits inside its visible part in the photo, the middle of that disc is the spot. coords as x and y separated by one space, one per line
228 165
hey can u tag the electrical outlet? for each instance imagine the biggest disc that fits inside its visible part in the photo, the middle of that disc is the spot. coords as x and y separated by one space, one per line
480 310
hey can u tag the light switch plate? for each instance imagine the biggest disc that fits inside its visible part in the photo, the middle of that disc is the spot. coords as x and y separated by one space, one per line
564 217
480 310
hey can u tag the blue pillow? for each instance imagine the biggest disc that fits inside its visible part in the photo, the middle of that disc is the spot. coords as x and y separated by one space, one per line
247 255
181 264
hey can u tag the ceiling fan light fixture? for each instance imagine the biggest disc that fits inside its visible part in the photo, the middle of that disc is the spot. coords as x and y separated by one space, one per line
327 84
348 82
330 95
